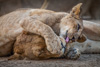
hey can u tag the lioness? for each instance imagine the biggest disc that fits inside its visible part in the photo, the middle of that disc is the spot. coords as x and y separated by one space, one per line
41 22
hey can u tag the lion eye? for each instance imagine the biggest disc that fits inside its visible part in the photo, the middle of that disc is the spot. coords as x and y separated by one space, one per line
78 27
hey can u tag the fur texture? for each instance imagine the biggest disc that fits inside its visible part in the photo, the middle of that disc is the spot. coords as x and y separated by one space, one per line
41 22
92 43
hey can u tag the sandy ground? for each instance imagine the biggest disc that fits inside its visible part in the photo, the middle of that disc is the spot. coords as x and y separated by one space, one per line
86 60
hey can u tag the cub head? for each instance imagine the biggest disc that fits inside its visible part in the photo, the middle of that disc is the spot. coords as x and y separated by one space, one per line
71 25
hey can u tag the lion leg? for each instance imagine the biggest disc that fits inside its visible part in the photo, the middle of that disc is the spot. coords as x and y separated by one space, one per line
89 46
17 56
14 57
53 42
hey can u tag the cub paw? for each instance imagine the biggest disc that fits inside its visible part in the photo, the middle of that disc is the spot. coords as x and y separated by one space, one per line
73 54
58 46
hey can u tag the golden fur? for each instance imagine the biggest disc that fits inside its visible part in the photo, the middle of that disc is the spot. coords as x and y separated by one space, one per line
41 22
31 46
92 43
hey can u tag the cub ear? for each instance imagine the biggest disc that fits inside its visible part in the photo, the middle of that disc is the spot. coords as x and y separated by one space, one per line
76 11
82 39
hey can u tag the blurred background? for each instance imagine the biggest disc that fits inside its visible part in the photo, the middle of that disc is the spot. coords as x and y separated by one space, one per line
90 8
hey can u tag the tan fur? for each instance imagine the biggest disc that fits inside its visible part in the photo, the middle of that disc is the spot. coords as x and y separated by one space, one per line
92 30
76 10
92 43
31 46
12 26
41 22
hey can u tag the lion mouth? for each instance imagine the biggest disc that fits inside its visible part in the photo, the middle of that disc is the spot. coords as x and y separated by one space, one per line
69 40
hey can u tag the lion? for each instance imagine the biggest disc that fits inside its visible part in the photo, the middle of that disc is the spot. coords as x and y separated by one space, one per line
31 46
54 27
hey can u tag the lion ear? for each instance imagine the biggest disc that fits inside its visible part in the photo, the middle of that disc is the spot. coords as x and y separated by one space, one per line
76 11
82 39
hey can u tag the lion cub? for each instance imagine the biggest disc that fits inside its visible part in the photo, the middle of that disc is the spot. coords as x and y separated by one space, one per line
31 46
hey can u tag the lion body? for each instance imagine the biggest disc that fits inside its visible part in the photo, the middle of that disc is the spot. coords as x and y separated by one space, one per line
10 25
30 46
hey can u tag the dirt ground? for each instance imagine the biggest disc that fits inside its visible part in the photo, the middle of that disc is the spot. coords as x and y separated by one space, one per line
85 60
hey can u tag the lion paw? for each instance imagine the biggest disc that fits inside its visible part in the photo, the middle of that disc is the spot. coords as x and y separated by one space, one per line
73 54
56 47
